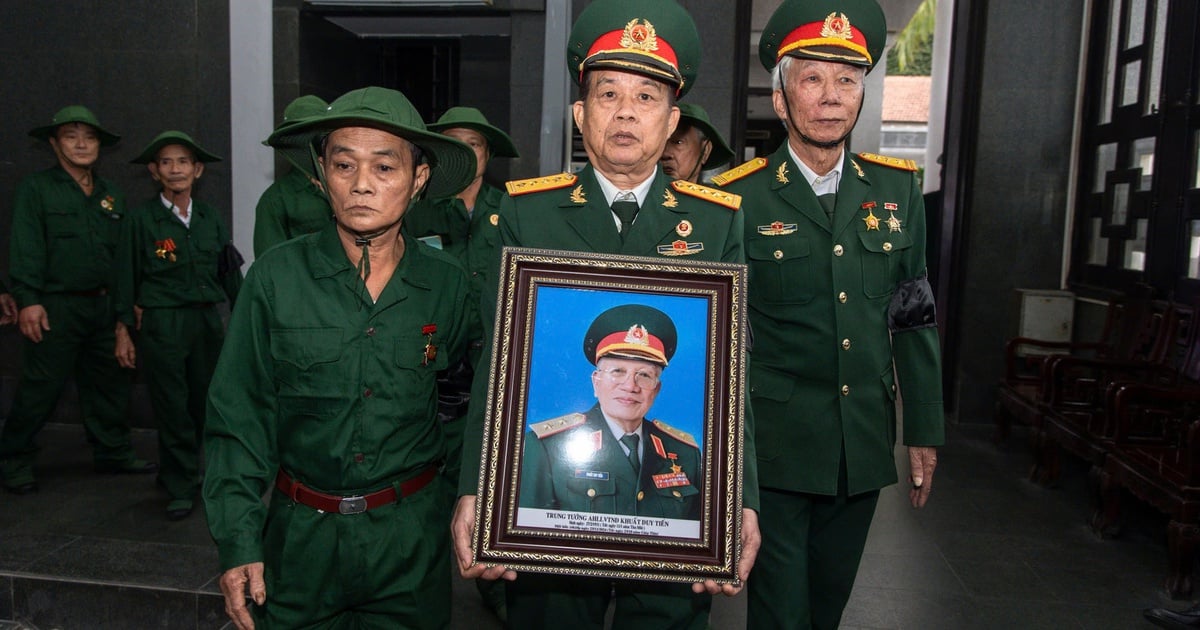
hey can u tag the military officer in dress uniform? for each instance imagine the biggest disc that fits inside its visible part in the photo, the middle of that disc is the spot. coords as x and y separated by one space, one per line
695 147
66 222
326 390
638 466
841 309
631 59
173 265
293 205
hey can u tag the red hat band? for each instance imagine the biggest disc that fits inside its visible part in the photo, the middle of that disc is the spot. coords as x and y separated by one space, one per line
636 342
836 31
637 40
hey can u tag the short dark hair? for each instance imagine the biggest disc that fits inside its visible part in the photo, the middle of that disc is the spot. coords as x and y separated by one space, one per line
585 88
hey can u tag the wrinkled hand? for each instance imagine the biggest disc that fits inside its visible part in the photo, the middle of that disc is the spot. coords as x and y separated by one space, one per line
751 541
137 317
125 352
8 309
234 585
33 320
462 530
921 460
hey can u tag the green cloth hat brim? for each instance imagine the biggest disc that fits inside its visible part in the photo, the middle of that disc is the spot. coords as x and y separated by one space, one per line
695 116
499 143
298 111
75 114
672 24
865 15
452 163
166 138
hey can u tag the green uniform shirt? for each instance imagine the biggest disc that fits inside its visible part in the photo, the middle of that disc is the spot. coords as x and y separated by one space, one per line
292 206
819 299
318 381
62 240
553 478
578 218
163 263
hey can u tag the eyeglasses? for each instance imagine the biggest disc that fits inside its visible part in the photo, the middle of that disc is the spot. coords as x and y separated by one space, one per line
619 375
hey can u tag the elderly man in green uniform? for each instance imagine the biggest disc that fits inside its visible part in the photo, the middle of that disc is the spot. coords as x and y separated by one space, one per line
841 309
66 223
631 60
173 266
326 390
293 205
635 466
695 147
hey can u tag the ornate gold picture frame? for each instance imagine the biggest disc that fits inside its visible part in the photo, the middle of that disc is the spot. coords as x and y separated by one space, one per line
555 493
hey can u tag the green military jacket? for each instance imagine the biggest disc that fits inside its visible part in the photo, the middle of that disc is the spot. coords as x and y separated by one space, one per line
292 206
63 240
554 478
317 380
162 263
820 300
569 212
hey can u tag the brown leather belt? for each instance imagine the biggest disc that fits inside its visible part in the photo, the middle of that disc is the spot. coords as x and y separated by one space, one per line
333 503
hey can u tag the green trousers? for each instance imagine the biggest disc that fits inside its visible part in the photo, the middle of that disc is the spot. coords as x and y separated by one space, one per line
554 601
386 568
811 547
80 343
179 349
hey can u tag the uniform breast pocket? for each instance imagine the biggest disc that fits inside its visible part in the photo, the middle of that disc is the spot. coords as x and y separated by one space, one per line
307 362
881 260
418 362
64 224
781 269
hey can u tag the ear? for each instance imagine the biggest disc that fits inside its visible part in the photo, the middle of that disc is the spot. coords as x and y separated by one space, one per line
706 151
420 178
780 105
153 168
199 169
674 121
577 113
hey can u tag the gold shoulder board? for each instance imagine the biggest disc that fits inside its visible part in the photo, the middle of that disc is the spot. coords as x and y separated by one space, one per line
900 163
538 184
729 200
546 428
740 171
682 436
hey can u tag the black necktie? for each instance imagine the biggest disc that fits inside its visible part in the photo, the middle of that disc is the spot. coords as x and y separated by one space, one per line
827 202
626 208
630 440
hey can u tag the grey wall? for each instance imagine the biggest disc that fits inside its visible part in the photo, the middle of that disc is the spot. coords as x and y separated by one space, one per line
1018 204
142 66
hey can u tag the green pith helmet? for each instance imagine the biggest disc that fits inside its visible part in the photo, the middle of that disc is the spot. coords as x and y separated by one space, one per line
499 143
843 31
695 116
452 163
150 153
631 331
75 114
300 109
655 38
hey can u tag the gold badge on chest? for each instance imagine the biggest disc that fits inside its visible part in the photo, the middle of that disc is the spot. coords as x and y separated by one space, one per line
684 228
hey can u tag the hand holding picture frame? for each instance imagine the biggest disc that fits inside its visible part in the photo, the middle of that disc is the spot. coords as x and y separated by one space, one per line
614 435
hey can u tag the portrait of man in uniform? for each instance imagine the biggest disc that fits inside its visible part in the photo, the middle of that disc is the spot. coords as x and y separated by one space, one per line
613 456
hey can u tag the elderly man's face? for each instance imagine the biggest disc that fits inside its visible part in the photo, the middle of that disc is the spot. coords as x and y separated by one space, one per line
625 122
685 153
176 168
76 144
823 99
615 382
478 144
371 177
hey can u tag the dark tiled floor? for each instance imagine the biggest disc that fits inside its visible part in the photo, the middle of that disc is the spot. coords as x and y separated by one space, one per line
991 550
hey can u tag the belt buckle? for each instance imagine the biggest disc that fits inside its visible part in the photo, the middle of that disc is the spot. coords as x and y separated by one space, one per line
352 505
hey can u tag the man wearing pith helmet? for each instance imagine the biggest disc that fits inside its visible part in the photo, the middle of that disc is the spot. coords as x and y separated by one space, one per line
631 60
173 268
839 303
326 393
695 147
66 223
293 205
635 465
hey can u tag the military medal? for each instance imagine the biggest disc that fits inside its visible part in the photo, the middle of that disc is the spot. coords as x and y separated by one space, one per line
669 201
107 203
781 174
891 206
430 350
893 223
684 228
777 228
675 467
871 220
681 248
494 219
165 249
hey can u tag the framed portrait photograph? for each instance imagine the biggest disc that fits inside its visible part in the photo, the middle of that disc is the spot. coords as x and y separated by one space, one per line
615 418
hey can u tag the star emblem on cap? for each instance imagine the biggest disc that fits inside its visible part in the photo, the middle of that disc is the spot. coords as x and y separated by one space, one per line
837 25
639 36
